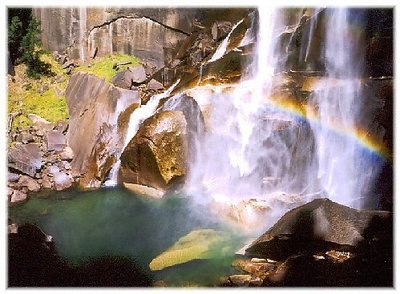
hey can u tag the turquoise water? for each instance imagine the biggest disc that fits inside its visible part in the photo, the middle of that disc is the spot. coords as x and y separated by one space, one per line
115 222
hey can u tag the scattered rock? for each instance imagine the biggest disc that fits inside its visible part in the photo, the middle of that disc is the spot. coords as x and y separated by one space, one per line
61 181
68 64
18 197
12 177
41 123
138 74
31 184
25 138
62 126
25 158
154 85
52 169
46 182
123 79
67 154
55 140
240 280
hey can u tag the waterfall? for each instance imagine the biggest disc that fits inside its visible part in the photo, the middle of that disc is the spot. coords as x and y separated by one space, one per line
224 44
257 147
135 120
344 172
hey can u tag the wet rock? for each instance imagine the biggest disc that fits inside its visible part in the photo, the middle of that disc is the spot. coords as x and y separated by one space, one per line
12 229
220 29
158 152
154 85
138 74
18 197
144 190
46 182
240 280
25 158
99 107
61 181
55 141
318 225
30 183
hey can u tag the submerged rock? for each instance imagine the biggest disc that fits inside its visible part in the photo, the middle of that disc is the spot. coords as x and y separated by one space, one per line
144 190
198 244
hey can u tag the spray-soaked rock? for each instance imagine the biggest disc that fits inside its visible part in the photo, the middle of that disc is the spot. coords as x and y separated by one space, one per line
157 154
96 132
25 158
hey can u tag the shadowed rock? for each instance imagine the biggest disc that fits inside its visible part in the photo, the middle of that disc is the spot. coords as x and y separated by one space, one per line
321 224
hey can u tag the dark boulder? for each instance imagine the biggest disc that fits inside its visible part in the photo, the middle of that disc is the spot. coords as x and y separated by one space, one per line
321 225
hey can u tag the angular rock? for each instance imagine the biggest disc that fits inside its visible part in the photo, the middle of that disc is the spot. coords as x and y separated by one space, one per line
41 123
52 169
46 182
25 138
31 184
12 177
18 197
138 74
320 225
123 79
67 154
55 141
220 29
158 152
61 181
104 112
240 280
25 158
62 126
154 85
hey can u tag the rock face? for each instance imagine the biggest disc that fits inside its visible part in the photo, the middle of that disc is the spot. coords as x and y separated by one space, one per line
318 224
158 152
96 129
146 33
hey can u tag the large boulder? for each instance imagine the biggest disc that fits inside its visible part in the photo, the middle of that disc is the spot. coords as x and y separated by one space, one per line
25 158
55 141
97 126
322 225
157 154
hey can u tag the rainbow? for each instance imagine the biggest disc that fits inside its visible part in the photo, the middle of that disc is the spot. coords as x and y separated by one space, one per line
361 136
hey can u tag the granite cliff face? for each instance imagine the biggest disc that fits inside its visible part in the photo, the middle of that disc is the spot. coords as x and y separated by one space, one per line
147 33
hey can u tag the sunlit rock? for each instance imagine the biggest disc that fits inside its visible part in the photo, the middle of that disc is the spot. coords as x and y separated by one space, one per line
96 129
158 152
144 190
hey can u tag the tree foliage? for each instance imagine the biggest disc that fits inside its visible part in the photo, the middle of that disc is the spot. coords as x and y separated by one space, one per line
24 43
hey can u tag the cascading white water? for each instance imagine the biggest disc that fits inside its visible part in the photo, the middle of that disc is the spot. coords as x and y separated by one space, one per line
135 120
343 172
244 156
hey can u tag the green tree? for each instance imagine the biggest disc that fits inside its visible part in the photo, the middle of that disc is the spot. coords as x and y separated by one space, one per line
15 34
31 51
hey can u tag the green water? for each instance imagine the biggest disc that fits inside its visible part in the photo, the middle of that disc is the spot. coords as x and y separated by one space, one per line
115 222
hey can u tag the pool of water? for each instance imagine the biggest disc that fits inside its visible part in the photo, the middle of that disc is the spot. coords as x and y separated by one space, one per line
115 222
